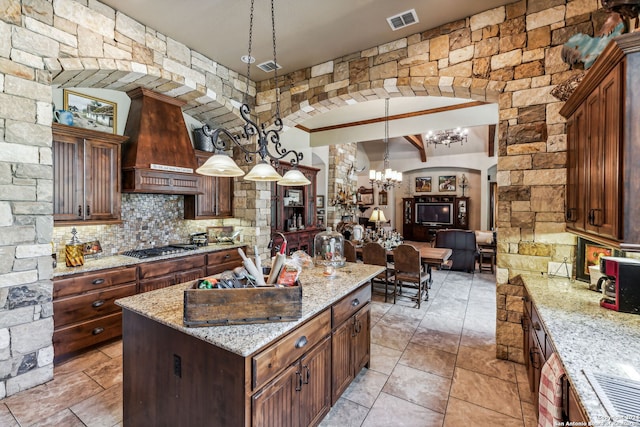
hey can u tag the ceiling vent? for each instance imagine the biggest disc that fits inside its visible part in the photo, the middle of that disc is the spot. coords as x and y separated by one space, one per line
269 66
403 19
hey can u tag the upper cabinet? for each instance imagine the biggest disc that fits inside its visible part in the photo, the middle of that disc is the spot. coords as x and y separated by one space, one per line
294 208
216 200
603 179
86 175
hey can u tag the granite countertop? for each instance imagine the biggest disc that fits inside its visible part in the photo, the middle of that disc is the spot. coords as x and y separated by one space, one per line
94 264
586 336
166 306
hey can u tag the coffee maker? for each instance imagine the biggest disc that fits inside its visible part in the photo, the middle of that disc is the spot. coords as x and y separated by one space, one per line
620 284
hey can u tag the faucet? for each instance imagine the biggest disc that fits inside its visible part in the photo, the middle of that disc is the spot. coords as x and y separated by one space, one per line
270 245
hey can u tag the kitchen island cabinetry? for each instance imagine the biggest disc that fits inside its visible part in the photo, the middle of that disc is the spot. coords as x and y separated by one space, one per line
270 374
216 200
86 175
84 312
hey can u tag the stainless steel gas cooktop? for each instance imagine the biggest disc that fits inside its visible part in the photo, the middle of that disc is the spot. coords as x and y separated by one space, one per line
159 251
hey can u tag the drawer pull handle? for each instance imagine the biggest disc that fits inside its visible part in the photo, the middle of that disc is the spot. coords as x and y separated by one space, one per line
227 256
301 342
97 303
355 302
536 326
97 331
98 282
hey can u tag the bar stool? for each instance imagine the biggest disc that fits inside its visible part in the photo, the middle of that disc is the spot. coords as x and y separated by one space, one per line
486 259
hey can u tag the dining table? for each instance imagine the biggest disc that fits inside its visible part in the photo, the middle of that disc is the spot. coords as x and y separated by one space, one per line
429 256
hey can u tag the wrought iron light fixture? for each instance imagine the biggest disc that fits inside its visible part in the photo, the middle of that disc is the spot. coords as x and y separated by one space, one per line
447 137
269 148
386 178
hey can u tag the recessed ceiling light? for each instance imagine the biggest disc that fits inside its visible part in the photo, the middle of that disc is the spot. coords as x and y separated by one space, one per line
247 59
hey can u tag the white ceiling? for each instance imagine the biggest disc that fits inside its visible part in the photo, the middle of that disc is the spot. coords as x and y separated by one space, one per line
308 33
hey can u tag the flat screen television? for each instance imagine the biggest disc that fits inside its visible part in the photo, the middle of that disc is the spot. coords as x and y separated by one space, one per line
434 213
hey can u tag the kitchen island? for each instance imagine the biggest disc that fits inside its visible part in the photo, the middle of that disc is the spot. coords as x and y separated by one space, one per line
590 340
278 373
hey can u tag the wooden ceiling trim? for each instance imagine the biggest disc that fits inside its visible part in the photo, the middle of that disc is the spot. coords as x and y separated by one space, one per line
418 142
395 117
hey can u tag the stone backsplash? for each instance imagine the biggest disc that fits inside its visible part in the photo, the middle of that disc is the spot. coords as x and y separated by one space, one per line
147 220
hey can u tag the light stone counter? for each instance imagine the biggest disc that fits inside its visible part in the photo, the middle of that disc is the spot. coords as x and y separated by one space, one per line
94 264
166 306
586 336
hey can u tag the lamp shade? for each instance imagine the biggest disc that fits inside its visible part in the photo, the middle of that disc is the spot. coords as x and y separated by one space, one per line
263 171
294 177
220 165
377 216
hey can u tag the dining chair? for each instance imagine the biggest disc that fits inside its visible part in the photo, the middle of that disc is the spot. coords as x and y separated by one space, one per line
408 270
350 251
374 253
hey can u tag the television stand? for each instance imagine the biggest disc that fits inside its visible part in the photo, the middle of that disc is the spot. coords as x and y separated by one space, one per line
426 231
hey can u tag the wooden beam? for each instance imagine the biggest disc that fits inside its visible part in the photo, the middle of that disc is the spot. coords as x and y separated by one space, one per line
395 117
417 141
492 140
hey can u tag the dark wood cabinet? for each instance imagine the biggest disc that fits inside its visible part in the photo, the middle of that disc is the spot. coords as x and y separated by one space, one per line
292 204
412 230
86 168
350 339
160 274
538 349
216 200
602 175
84 312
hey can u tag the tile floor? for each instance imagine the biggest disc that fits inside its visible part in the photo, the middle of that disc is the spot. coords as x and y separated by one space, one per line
430 367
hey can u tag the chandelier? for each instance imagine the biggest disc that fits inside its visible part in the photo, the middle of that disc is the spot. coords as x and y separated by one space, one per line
386 178
447 137
269 148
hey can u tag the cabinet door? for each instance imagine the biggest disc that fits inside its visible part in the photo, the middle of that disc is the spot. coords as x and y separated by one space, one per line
224 199
594 154
276 404
341 371
574 213
315 392
102 180
607 214
361 340
217 195
68 179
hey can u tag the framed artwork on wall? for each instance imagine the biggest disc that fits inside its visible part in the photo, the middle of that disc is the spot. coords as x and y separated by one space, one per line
447 183
91 113
588 254
382 198
365 196
319 202
423 184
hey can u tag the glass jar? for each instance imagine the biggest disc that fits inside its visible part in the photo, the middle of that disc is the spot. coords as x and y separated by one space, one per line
74 251
328 249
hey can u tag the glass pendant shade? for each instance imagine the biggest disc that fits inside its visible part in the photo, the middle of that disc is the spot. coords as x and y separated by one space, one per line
263 171
220 165
294 177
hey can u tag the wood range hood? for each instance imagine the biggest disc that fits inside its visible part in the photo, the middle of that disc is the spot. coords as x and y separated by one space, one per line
159 157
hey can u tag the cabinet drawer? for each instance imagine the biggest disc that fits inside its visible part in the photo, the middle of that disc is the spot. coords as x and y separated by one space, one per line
92 281
80 336
156 283
347 306
538 329
224 257
189 275
271 361
161 268
89 305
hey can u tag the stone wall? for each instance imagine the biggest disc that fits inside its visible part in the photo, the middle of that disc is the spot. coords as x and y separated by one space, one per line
83 43
509 55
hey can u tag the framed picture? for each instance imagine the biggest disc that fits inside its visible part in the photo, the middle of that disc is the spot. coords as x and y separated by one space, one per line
382 198
447 183
91 113
365 196
319 202
423 184
589 253
293 198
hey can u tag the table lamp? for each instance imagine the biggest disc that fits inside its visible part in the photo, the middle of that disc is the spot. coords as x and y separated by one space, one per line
377 216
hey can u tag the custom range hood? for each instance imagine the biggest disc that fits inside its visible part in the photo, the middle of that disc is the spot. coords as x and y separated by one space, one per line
159 157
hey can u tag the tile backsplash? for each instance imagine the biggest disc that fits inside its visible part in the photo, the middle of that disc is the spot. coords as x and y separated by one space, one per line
148 220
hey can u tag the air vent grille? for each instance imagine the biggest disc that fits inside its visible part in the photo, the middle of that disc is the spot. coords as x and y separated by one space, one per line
269 66
403 19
